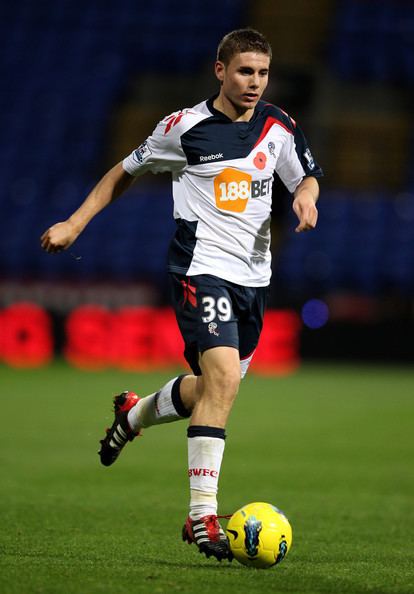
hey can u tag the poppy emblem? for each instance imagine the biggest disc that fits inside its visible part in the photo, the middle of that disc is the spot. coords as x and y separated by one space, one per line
260 160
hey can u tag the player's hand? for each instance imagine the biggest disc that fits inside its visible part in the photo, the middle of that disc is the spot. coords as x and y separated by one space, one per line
59 237
306 211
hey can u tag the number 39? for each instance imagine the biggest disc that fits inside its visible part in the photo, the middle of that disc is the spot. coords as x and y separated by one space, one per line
221 308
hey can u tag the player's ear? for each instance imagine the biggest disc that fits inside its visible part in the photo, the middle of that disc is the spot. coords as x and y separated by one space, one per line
219 69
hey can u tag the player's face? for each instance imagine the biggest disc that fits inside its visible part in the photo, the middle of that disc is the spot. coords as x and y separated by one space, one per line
243 80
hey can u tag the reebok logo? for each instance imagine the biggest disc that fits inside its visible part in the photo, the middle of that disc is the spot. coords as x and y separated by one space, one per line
204 158
202 472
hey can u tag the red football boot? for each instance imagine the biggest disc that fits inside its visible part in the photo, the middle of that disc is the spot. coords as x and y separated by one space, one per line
120 432
209 536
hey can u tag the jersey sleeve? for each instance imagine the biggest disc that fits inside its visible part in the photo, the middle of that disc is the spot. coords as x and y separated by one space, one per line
161 151
296 161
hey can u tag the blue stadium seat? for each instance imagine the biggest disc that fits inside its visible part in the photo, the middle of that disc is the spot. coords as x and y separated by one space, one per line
374 41
63 70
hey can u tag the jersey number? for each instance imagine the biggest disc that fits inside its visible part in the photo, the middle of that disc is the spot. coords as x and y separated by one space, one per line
211 307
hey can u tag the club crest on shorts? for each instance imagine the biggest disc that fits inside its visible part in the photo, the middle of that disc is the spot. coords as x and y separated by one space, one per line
212 328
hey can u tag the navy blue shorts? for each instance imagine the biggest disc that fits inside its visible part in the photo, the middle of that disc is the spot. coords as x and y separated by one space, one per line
214 312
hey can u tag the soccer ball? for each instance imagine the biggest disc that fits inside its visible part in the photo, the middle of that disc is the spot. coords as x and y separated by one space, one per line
259 535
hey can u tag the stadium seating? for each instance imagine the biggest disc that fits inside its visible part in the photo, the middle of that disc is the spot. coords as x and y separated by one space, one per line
364 243
374 41
65 66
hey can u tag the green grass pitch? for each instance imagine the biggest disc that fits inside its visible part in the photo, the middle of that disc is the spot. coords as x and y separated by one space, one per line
332 446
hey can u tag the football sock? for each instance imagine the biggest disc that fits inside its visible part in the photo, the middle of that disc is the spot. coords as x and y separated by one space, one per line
164 406
202 504
205 453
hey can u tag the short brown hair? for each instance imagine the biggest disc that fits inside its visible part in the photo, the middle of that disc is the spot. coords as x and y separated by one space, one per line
242 40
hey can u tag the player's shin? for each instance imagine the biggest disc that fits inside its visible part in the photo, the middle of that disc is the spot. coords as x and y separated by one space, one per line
205 454
164 406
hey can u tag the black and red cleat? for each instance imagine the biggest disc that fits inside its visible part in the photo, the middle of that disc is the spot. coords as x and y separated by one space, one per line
120 432
209 537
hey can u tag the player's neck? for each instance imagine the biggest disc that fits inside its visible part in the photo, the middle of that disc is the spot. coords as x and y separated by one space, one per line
234 113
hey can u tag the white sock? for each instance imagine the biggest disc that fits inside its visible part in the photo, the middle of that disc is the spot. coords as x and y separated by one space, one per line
202 504
205 453
164 406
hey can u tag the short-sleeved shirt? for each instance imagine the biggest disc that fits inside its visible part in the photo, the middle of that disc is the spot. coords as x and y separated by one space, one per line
222 176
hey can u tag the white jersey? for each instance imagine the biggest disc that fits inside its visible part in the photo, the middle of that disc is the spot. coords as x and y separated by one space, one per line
222 174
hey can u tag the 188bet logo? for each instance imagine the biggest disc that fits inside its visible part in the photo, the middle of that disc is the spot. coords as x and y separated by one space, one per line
233 188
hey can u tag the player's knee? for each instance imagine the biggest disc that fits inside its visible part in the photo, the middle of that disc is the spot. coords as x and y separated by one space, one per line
225 382
221 374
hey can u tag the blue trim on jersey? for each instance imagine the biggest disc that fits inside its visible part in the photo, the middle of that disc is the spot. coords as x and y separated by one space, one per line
311 167
214 139
182 246
218 138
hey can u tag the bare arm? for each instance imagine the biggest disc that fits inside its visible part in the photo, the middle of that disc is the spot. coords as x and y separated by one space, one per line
304 204
62 235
